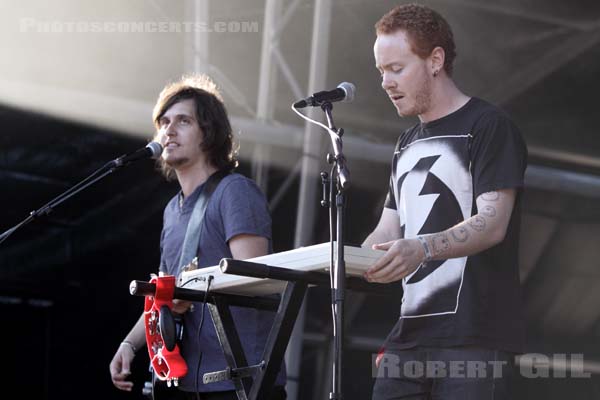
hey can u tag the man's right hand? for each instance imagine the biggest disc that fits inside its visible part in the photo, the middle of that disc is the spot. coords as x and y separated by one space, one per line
120 368
181 306
402 258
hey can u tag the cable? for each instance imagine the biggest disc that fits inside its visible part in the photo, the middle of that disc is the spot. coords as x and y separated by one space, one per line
196 279
313 121
331 250
210 279
331 272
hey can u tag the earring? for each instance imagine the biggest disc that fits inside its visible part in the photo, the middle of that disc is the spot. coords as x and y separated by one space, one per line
435 73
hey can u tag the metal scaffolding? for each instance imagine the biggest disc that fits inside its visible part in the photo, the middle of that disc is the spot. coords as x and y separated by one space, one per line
264 132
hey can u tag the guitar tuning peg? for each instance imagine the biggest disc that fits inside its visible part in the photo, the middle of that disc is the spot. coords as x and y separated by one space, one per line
193 265
147 390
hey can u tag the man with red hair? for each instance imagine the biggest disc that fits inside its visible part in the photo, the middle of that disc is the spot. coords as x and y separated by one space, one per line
450 223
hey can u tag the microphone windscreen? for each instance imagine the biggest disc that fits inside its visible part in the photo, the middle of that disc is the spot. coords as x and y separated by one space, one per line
155 148
349 89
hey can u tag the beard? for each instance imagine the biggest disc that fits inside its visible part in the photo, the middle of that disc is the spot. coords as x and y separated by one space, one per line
175 162
422 102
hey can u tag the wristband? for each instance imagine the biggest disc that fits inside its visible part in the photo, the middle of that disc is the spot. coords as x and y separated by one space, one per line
423 241
128 343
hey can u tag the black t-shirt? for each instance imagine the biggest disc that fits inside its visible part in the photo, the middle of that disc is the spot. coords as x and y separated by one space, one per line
439 168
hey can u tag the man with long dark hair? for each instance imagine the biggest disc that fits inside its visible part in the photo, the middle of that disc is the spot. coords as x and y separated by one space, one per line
193 127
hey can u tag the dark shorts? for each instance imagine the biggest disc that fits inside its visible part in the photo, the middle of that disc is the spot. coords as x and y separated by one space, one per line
430 373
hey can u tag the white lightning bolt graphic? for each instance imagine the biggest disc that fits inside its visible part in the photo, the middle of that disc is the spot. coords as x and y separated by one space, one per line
416 216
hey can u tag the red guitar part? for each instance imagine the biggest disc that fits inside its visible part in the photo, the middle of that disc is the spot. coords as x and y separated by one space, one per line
168 365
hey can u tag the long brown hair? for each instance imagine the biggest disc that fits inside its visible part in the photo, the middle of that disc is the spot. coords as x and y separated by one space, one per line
211 115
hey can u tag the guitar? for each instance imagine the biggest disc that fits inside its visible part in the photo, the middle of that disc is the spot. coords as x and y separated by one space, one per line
161 333
164 330
156 388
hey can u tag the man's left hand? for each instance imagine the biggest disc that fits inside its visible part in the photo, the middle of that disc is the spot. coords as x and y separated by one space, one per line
402 258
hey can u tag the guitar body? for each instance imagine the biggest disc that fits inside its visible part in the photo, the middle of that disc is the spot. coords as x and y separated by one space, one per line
163 330
157 389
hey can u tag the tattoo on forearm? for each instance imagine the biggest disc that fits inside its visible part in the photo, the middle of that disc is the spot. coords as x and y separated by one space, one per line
426 248
477 223
439 243
490 196
489 211
460 234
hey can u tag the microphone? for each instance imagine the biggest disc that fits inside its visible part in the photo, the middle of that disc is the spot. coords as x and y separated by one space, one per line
344 92
152 150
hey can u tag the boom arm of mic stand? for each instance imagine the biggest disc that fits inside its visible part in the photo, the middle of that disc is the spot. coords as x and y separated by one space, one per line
49 207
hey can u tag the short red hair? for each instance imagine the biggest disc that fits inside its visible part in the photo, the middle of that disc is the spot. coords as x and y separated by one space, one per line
426 30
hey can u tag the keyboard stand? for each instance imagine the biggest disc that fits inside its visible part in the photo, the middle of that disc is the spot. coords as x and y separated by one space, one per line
264 373
254 382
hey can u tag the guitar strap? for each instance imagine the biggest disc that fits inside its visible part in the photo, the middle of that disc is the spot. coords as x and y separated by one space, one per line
154 390
191 241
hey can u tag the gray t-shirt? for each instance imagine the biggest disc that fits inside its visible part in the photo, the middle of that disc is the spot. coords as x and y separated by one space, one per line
237 206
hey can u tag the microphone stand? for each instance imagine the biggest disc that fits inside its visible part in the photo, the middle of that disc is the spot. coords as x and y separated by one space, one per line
46 209
338 268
